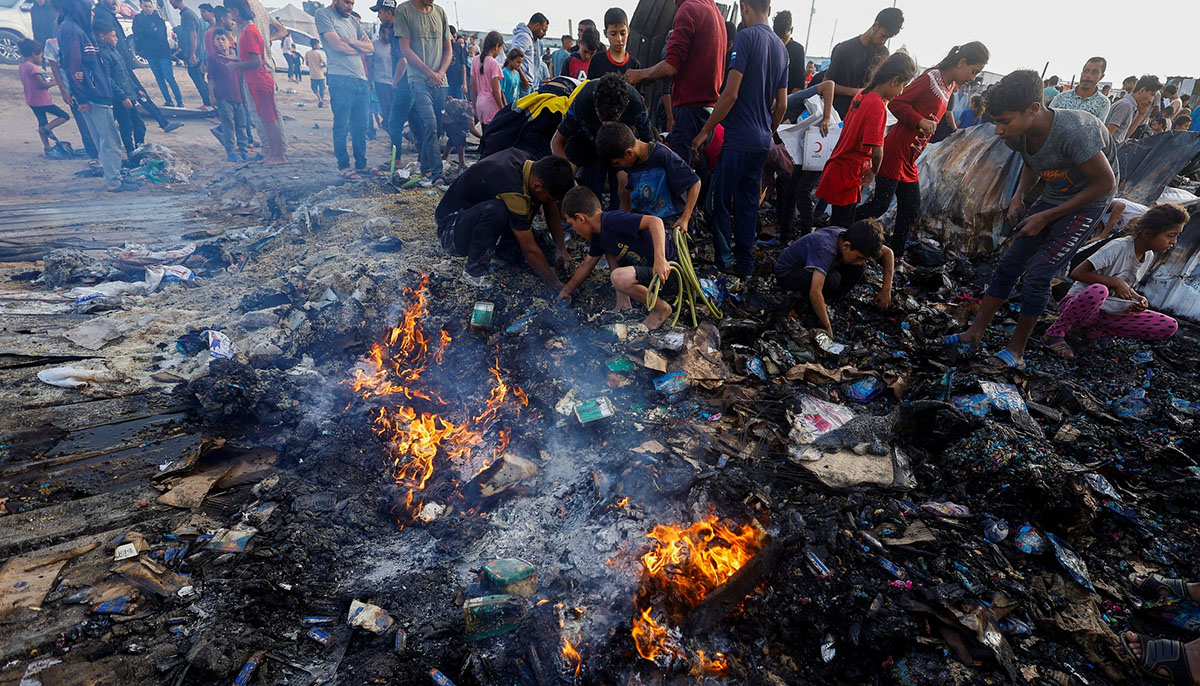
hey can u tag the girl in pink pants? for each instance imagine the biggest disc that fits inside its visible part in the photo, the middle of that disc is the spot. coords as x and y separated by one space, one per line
1103 301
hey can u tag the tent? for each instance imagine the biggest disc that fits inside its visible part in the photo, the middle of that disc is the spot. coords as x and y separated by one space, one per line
295 18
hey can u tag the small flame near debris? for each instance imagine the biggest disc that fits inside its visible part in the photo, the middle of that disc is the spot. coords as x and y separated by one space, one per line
416 438
572 656
683 568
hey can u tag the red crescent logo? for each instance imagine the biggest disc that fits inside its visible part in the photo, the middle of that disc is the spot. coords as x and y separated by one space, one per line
819 146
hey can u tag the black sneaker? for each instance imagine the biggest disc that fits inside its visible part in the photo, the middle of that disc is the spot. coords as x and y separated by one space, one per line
171 126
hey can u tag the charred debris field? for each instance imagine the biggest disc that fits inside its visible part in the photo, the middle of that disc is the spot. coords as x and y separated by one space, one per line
394 479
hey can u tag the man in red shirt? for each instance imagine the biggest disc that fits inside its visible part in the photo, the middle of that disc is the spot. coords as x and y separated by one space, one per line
696 65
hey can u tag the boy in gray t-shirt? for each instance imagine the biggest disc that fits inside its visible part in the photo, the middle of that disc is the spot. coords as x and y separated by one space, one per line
1073 153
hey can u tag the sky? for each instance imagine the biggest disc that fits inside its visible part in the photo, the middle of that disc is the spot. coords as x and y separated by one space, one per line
1021 34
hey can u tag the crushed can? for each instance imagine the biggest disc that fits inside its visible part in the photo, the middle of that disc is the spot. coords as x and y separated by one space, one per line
440 679
314 620
321 636
593 410
481 317
243 677
817 565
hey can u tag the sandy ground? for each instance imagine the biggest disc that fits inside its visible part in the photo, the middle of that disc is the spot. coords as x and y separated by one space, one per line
27 176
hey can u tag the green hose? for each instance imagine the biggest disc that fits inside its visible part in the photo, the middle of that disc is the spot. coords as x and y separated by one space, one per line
689 286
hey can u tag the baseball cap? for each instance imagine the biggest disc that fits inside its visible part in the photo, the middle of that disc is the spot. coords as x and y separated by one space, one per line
384 5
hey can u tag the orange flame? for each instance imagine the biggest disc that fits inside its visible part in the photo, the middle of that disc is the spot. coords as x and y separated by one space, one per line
682 569
415 440
703 666
571 656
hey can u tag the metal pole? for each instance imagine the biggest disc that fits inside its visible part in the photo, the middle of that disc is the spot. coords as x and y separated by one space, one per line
808 35
832 36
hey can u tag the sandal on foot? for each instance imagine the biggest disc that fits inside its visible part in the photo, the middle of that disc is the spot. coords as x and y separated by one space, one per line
1060 347
1160 653
349 174
1153 585
1007 359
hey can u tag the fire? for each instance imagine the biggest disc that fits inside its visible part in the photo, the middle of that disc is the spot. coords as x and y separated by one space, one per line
417 438
653 639
571 656
717 666
683 568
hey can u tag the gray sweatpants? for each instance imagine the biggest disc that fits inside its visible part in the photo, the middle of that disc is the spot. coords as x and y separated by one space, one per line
103 127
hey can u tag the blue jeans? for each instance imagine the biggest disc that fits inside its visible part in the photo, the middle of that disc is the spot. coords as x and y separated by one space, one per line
795 103
164 74
688 122
427 105
349 100
401 108
738 178
1038 259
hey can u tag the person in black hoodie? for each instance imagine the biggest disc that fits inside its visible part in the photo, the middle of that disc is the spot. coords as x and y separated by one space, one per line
133 129
43 17
150 39
106 11
80 62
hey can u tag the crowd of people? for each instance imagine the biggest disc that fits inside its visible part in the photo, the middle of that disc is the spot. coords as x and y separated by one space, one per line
626 187
82 51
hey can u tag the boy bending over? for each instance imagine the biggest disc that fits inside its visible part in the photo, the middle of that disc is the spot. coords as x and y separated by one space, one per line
827 264
636 248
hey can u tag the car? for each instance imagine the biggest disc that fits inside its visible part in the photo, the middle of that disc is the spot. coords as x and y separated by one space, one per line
15 26
303 42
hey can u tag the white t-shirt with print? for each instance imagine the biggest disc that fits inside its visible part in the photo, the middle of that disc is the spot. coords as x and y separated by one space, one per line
1117 258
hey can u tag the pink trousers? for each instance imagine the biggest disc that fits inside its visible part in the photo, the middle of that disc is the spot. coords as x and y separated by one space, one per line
1083 309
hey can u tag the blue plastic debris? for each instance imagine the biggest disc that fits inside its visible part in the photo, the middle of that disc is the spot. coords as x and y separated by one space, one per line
1030 541
672 383
867 389
1071 561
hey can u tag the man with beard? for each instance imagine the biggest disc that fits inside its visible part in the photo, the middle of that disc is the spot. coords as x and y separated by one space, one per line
1086 96
346 44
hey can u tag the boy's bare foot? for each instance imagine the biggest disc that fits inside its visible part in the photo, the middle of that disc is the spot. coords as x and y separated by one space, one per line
658 315
1171 660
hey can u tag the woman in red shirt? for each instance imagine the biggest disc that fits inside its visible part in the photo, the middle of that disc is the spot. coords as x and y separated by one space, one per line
918 110
859 150
259 82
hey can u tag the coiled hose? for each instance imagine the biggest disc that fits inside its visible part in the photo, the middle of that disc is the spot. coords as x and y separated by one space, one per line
689 283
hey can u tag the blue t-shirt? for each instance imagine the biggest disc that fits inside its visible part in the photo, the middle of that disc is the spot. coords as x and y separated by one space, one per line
621 236
659 185
817 250
763 61
967 119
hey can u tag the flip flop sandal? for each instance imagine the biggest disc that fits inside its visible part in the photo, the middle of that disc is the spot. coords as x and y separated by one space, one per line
1060 347
1005 358
1152 585
349 174
1161 653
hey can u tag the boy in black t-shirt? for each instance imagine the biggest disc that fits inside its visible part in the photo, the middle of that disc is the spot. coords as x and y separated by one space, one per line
635 246
853 60
655 180
616 59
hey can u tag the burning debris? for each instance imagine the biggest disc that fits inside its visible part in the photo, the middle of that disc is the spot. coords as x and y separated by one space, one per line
685 566
416 437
